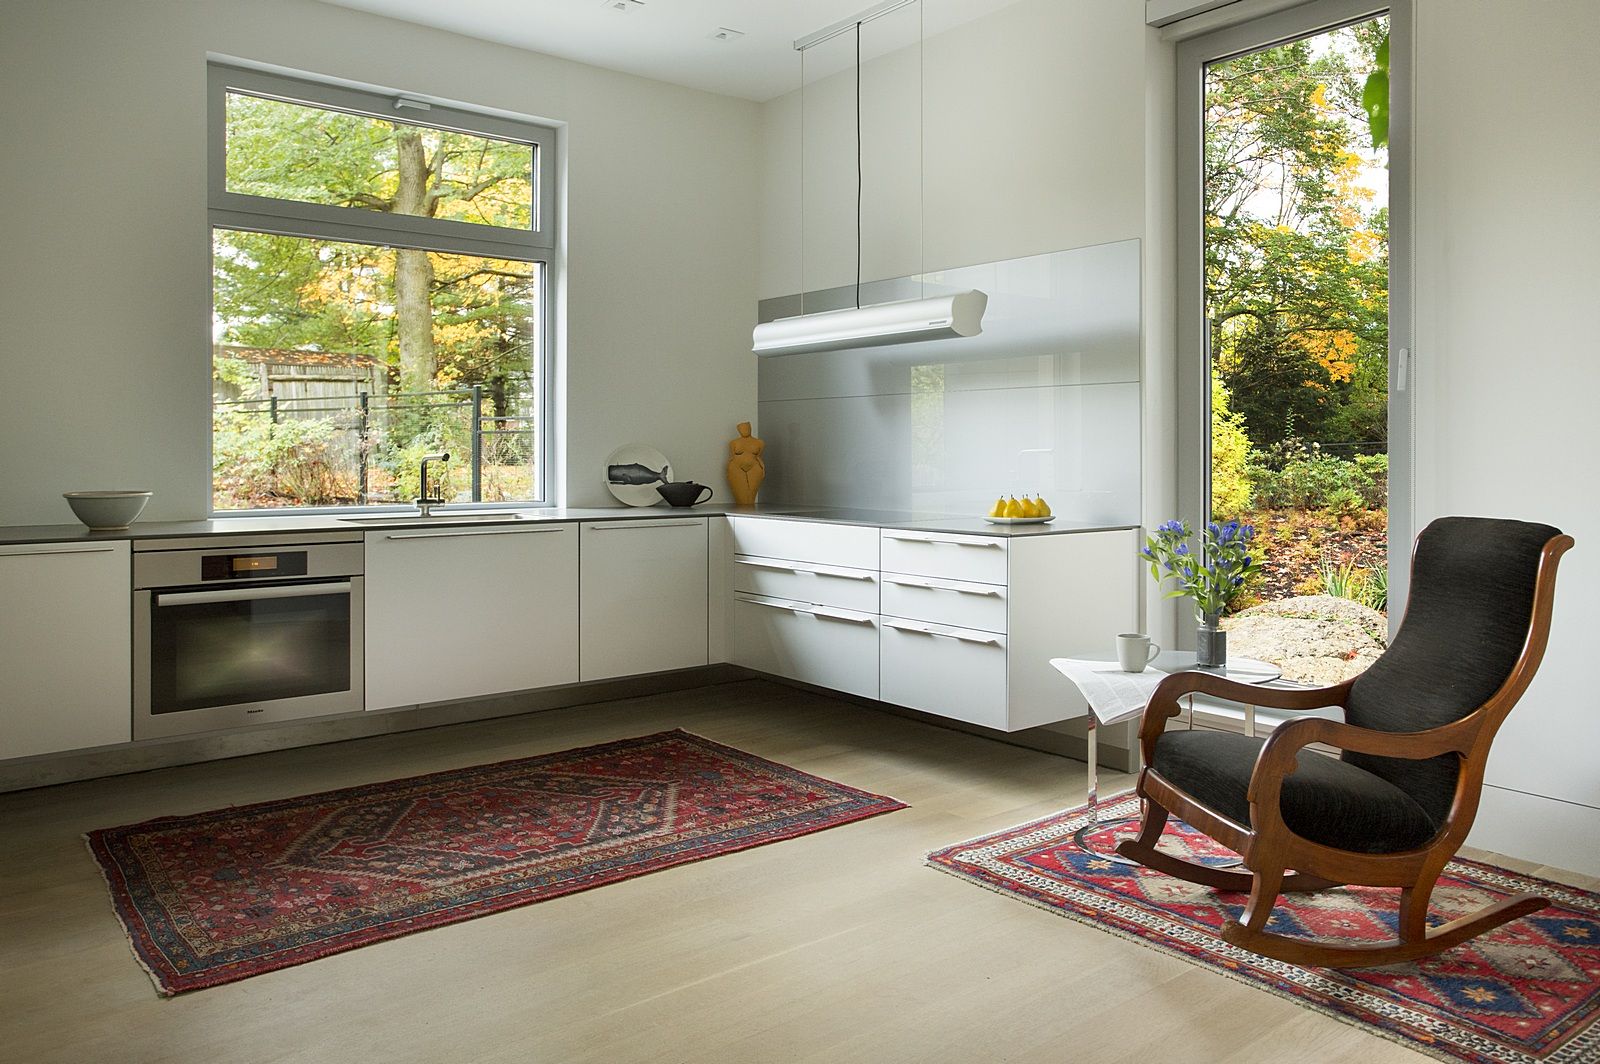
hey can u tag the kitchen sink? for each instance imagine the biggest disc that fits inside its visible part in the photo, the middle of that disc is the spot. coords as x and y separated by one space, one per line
440 519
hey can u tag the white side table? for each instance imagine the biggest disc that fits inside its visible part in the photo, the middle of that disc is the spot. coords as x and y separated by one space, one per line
1095 679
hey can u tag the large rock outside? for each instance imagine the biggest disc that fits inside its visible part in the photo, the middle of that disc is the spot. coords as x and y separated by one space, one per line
1315 639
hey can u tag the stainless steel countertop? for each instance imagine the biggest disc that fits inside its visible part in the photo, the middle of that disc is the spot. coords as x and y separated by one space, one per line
270 524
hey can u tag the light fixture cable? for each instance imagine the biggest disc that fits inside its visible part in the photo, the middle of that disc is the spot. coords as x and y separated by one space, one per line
858 166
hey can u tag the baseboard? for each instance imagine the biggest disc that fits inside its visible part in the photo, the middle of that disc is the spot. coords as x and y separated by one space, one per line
1048 738
50 769
1535 828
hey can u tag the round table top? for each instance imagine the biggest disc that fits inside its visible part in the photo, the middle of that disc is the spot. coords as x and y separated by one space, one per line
1240 670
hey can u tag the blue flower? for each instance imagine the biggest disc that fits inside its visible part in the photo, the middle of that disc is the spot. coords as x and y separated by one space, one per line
1148 553
1183 548
1237 581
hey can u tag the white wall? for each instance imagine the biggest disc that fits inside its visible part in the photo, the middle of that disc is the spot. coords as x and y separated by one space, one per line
1508 361
1034 120
104 265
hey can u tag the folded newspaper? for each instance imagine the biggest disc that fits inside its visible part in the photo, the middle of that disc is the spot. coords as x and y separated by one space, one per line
1113 695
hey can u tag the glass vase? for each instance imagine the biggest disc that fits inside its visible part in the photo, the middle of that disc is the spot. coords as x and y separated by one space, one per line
1211 642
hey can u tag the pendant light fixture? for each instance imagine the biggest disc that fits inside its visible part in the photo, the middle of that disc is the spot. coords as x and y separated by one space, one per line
902 321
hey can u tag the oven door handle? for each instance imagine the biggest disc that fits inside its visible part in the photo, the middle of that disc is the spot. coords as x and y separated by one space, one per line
246 594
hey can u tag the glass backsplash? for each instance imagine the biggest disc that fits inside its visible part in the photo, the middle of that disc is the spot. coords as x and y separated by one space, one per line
1046 400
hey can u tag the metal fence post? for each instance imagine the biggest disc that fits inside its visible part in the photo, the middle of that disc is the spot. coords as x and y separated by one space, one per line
363 447
477 443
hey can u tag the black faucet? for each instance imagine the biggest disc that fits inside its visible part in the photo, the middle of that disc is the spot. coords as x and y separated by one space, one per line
426 502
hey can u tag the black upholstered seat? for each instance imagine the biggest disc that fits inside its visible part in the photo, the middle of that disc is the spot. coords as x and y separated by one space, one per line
1325 800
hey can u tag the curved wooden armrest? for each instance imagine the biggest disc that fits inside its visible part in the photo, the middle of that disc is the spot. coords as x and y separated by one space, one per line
1278 755
1163 703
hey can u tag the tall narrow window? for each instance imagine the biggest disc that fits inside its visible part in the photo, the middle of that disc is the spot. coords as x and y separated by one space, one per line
1292 304
380 271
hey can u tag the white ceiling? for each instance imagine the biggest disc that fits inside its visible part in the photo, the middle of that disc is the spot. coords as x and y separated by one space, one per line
671 40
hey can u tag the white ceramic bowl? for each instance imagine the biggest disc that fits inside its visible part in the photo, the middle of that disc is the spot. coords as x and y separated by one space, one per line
107 511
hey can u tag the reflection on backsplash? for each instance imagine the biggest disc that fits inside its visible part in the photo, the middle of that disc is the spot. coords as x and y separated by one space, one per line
1045 400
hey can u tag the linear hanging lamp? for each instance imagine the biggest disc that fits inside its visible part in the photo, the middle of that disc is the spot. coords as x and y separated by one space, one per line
939 317
901 322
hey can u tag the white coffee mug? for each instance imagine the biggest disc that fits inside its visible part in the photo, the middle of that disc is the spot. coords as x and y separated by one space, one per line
1135 651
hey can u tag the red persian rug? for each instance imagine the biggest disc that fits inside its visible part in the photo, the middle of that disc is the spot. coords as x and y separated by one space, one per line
216 897
1526 993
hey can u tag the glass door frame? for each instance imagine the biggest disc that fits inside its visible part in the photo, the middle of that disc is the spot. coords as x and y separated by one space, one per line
1194 354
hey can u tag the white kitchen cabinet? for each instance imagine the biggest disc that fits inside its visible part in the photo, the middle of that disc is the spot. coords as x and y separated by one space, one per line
643 597
826 585
822 645
850 546
66 647
456 613
958 673
955 602
966 623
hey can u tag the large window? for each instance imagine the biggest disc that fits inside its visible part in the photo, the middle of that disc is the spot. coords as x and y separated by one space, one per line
1294 160
380 270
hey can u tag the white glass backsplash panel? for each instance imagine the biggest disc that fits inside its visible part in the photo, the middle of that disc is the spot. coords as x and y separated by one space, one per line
1045 400
1071 317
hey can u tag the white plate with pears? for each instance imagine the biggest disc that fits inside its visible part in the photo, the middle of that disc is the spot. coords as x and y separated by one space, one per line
1023 511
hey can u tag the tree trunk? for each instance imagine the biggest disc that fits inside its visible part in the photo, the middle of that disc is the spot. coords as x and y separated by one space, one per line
413 273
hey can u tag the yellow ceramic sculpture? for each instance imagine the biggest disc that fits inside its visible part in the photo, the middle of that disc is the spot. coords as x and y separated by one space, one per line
746 470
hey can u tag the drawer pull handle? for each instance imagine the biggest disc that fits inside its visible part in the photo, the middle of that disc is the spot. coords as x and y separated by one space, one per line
814 611
962 636
67 550
618 526
829 615
931 586
981 544
813 570
475 532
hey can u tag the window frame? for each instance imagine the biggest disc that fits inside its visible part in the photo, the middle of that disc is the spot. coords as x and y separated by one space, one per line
317 221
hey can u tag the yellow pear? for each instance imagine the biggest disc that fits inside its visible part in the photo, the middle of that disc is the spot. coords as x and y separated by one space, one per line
1029 507
999 509
1013 507
1044 507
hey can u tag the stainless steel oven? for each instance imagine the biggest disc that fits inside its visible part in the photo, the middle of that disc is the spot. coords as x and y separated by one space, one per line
231 632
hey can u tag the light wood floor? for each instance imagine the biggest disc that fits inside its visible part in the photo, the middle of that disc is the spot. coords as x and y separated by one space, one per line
836 947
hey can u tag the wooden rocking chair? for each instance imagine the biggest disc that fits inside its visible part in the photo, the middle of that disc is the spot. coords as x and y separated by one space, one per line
1397 804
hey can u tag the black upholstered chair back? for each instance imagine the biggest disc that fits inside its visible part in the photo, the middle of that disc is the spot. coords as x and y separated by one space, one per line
1465 623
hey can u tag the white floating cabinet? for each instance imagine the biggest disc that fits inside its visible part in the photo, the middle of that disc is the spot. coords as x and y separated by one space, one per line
66 647
644 596
953 672
822 645
956 624
462 613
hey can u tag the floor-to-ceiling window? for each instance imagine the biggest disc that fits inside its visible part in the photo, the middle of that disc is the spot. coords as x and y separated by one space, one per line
1290 340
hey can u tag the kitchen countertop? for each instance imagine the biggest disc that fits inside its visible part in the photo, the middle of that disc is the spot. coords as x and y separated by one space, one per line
273 524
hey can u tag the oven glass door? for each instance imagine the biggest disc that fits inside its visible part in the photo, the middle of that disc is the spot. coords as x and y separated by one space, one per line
230 646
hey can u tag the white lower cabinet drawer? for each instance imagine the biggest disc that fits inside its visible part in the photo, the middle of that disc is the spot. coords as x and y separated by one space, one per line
853 546
953 672
820 645
827 585
948 555
961 603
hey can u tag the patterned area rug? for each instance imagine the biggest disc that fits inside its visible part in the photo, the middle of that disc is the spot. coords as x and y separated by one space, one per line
1526 993
217 897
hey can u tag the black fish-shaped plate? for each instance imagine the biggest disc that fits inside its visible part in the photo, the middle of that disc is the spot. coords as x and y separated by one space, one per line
634 470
